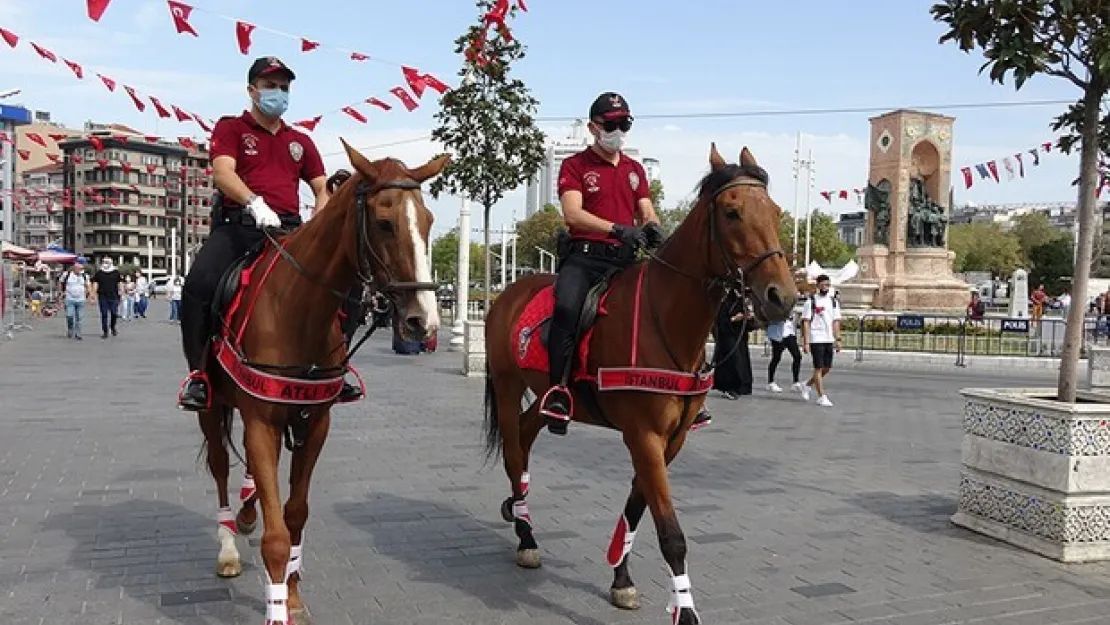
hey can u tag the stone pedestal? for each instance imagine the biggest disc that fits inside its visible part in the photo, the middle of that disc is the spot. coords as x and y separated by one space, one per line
1036 472
1098 368
474 349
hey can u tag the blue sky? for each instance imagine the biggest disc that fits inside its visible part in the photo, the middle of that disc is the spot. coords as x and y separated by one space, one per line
664 57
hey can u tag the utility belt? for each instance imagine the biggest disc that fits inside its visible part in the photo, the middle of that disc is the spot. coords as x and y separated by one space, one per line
234 215
602 250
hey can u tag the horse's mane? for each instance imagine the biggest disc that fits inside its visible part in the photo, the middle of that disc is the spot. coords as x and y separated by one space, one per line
717 178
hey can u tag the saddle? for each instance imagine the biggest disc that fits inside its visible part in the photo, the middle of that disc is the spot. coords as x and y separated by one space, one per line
590 308
231 280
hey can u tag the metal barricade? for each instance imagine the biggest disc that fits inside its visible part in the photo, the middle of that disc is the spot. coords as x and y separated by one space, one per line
906 332
16 308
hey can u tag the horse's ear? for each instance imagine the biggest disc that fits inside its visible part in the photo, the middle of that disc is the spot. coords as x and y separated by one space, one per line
431 169
746 158
715 160
358 161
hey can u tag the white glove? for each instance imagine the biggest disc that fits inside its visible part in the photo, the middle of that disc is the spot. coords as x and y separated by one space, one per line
264 216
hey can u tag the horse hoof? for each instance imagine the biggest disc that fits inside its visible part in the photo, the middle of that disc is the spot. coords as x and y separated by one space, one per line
229 569
299 616
625 598
245 529
507 510
528 558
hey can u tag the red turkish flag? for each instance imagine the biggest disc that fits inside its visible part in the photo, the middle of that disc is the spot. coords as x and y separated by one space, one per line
108 82
36 138
203 125
139 104
523 7
436 83
44 53
151 168
24 154
827 195
97 8
151 139
308 45
126 167
188 144
379 103
843 194
498 13
102 162
97 144
76 158
243 32
1047 146
180 13
76 68
120 138
208 171
58 137
415 80
993 167
162 112
405 98
309 124
353 112
358 56
966 171
11 38
181 115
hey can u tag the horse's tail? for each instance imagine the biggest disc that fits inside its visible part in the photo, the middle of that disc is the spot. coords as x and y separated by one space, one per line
227 427
493 426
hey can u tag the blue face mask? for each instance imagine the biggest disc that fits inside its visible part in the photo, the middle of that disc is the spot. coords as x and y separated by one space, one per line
273 102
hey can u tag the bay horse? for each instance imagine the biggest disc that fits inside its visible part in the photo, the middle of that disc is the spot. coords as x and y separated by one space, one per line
282 354
641 366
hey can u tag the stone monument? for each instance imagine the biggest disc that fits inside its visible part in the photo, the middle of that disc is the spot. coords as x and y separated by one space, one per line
905 264
1019 295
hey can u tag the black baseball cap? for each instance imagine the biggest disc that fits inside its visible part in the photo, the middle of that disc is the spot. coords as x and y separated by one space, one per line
610 105
268 65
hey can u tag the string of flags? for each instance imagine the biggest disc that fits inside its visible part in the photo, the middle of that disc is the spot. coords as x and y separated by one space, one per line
1012 166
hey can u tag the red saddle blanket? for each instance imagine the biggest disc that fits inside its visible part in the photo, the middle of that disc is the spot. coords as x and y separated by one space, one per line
531 353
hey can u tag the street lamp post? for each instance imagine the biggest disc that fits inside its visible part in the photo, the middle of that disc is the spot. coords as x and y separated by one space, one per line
462 283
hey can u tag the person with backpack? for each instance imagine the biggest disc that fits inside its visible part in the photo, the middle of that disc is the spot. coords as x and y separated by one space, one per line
820 337
74 285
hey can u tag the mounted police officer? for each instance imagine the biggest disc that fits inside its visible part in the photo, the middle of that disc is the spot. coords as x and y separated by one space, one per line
259 162
606 201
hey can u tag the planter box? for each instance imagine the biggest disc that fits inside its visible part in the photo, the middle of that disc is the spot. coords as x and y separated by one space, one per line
474 349
1036 473
1098 367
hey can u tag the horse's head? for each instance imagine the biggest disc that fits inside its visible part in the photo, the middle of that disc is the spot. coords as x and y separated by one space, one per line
744 233
394 226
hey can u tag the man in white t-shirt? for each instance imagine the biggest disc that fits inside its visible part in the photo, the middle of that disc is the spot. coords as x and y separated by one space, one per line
820 336
74 284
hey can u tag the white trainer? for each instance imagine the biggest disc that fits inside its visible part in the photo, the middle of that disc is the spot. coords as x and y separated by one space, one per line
774 388
805 392
824 401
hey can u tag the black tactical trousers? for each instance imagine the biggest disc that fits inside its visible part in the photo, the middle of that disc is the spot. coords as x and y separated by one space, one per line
578 273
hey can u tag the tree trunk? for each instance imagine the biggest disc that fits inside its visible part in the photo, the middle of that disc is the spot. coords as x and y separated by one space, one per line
488 273
1088 180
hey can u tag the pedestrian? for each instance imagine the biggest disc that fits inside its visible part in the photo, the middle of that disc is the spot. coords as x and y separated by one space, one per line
142 293
74 285
174 293
732 374
107 288
820 336
783 337
128 299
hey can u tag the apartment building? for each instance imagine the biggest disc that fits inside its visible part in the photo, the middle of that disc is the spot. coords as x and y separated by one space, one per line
38 210
134 198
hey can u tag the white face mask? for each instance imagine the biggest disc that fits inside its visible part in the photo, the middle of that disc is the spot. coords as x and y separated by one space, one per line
612 141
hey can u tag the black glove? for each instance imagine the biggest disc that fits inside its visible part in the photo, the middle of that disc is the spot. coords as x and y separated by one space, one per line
653 234
629 235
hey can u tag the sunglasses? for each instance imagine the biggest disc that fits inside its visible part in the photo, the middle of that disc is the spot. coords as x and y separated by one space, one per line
610 125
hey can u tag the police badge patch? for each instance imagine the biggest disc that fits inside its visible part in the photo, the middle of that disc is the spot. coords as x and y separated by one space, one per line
296 150
634 180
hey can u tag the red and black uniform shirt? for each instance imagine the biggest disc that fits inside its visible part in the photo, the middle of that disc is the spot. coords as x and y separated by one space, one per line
609 191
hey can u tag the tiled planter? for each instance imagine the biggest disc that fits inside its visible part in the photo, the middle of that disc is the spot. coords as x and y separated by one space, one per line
474 349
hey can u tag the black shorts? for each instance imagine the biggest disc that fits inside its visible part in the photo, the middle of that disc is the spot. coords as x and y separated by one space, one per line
822 355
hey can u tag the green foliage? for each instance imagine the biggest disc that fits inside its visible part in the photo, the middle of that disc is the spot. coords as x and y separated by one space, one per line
670 218
985 247
539 230
445 258
488 123
657 195
1050 263
1032 230
825 246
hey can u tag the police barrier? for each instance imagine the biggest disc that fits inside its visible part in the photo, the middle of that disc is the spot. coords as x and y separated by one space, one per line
15 315
904 332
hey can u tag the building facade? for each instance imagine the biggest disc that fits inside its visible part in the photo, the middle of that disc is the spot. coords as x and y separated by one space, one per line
136 199
39 216
852 227
11 118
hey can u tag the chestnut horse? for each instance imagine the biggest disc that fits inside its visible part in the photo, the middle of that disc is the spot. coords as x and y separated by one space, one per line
728 241
375 229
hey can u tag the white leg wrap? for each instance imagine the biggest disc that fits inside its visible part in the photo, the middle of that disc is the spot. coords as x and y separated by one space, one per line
520 511
294 564
277 612
248 489
681 596
525 480
226 533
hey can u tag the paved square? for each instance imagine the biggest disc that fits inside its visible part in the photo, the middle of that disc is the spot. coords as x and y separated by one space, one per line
795 515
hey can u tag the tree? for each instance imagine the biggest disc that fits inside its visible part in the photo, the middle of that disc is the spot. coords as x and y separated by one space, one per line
489 124
670 218
1067 39
825 246
445 256
657 195
539 230
1033 230
1050 263
985 247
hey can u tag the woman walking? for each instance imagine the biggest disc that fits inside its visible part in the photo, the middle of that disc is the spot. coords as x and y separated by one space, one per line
733 374
783 336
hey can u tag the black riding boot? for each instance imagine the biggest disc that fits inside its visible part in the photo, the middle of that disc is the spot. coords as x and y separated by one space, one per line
194 395
557 404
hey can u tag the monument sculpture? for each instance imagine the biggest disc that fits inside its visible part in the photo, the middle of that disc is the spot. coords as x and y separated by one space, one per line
905 264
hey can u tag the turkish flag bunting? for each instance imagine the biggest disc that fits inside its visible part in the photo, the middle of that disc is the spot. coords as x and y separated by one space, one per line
11 38
150 168
97 144
181 115
993 167
405 98
497 15
36 138
1047 146
309 124
203 125
523 7
76 158
843 194
436 83
4 138
379 103
126 167
80 73
308 45
44 53
1021 164
108 82
120 138
139 104
358 56
968 180
243 32
97 8
415 80
353 112
827 195
102 162
151 139
180 13
188 144
24 154
162 112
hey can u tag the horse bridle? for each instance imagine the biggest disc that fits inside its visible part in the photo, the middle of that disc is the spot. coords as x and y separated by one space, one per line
366 254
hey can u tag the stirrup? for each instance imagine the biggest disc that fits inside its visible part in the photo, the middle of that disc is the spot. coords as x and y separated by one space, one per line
195 376
557 422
